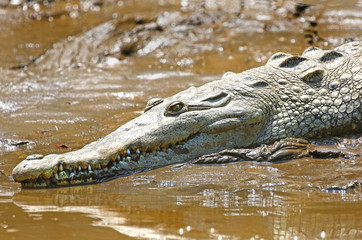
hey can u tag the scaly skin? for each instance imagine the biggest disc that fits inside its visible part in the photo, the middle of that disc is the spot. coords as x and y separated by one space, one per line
287 149
313 95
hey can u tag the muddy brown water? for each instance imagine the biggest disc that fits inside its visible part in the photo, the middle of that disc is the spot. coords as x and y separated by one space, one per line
87 80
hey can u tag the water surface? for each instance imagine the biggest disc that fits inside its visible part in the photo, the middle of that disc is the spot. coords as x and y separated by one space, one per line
74 71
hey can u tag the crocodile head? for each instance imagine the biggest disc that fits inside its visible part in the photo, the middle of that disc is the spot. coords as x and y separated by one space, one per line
187 125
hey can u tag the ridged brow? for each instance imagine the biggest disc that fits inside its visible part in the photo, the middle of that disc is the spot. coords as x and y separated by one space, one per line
215 98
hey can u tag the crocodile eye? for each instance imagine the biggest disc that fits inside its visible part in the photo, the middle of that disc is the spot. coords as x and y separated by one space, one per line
175 108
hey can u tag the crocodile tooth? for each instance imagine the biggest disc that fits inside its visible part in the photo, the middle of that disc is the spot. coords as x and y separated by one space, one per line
63 175
115 164
80 174
138 151
79 168
56 176
124 165
60 167
133 165
89 168
119 158
113 169
71 175
128 159
128 152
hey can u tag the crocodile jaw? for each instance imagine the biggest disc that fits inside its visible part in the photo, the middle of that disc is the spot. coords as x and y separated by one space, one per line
83 166
147 142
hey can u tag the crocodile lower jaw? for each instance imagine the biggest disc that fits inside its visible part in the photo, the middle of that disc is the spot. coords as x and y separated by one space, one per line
120 164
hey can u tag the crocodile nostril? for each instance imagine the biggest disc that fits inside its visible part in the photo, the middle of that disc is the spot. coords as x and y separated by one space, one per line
153 102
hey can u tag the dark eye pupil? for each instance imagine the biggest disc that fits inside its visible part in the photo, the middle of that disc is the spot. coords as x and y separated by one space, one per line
176 107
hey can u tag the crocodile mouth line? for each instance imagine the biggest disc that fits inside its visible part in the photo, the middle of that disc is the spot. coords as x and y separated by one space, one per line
119 164
122 163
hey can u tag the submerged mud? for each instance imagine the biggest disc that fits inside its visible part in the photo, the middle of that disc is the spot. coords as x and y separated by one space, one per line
74 71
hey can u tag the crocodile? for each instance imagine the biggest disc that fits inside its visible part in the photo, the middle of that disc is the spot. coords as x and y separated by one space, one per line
307 96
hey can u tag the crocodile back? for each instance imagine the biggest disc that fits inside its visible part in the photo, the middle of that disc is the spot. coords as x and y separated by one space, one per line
312 95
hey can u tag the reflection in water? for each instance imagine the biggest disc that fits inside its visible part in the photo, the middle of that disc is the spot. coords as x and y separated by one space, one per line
106 219
149 212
